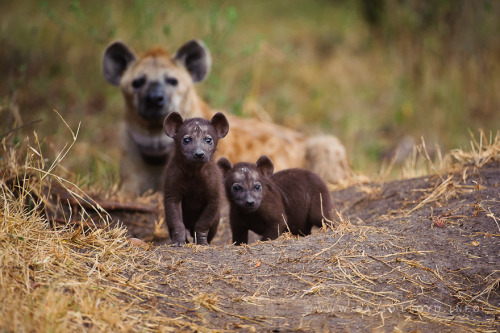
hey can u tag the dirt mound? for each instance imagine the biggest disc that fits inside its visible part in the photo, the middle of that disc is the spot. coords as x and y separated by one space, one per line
410 255
418 254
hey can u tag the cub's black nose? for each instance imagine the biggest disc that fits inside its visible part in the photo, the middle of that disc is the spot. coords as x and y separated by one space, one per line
250 203
199 154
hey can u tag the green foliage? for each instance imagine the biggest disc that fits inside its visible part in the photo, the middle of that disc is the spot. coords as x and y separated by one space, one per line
369 72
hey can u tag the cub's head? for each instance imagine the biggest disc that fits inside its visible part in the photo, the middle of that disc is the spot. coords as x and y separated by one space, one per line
196 138
156 83
245 182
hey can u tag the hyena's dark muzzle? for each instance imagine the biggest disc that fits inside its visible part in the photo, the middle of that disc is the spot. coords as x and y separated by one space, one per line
154 103
155 97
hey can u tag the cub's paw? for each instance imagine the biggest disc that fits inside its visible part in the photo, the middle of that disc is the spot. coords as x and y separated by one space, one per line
177 243
201 238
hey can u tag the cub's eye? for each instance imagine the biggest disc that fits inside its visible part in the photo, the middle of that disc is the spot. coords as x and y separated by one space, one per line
237 187
187 140
139 82
209 140
172 81
258 187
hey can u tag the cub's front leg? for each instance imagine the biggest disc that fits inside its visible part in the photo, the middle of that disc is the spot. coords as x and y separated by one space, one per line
208 218
239 231
176 228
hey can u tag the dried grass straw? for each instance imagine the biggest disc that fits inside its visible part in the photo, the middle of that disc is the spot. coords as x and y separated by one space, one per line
71 278
67 278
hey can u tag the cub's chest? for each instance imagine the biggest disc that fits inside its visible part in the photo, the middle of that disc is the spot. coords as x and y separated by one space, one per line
200 187
192 188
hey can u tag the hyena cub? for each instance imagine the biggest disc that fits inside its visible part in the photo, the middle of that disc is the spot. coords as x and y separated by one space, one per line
269 204
193 188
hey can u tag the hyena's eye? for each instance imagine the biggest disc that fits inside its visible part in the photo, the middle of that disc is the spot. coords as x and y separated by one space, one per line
258 187
237 187
139 82
187 140
171 81
209 140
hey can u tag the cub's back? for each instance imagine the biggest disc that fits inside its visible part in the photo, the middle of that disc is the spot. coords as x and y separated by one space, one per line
303 194
298 182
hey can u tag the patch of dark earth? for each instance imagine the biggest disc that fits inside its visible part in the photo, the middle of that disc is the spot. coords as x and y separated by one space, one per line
419 254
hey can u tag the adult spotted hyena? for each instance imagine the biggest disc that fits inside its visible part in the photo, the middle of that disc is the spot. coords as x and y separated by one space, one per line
157 83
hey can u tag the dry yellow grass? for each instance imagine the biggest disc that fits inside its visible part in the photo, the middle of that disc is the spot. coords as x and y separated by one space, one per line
69 278
75 278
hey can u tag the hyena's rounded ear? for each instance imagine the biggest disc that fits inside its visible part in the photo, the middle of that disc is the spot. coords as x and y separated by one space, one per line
115 61
265 165
224 165
220 123
172 123
195 57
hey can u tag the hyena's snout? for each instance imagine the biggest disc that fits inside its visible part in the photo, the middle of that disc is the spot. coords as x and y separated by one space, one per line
198 150
155 97
154 102
199 154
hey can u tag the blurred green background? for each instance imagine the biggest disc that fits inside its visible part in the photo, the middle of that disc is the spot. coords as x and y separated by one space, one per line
375 73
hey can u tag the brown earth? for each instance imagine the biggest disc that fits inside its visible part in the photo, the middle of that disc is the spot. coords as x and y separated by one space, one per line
411 255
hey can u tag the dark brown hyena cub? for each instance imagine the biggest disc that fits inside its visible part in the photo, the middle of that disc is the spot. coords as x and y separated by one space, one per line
269 204
192 190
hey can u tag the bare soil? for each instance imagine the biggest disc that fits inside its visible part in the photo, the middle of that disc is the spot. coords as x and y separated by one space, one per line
411 255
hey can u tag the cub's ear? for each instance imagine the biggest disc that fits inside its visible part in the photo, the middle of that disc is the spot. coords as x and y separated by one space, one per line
265 165
195 57
172 123
220 123
224 165
115 61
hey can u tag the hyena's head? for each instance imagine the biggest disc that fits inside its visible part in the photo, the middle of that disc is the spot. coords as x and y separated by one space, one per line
196 138
245 183
156 83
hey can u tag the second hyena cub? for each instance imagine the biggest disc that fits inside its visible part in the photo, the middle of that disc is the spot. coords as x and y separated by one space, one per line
192 192
269 204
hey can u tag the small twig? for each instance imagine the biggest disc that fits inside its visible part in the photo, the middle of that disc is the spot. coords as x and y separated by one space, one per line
20 127
434 195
